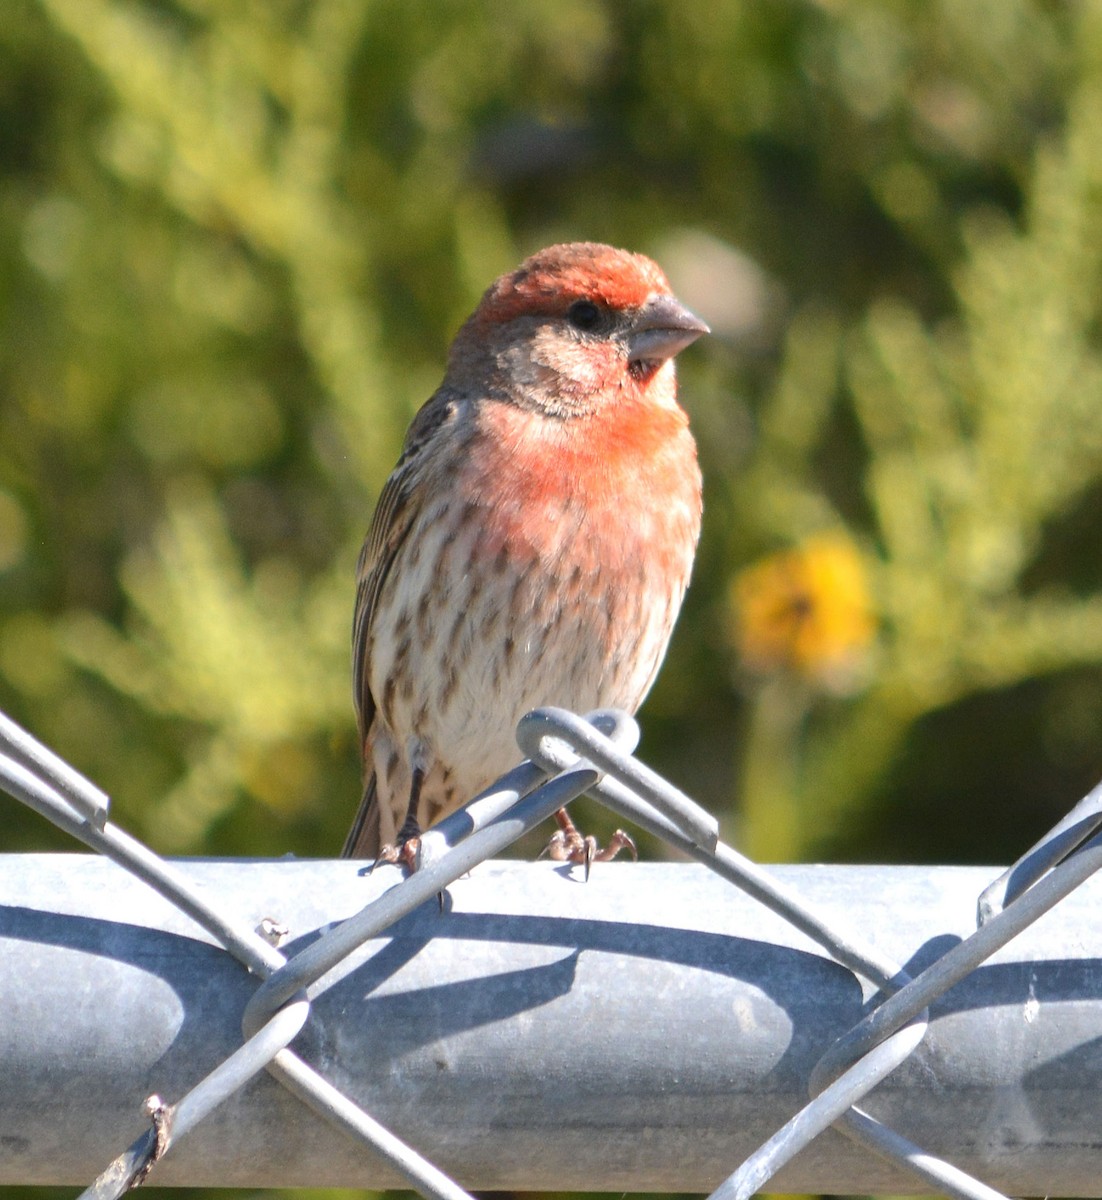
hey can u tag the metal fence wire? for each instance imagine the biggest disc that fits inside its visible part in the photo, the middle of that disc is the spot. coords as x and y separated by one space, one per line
566 756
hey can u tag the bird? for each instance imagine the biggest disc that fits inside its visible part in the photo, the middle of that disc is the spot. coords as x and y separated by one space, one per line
533 544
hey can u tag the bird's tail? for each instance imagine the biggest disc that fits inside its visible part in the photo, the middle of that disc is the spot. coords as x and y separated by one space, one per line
363 838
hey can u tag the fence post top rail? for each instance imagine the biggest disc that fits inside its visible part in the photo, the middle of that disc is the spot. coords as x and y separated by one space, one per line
768 960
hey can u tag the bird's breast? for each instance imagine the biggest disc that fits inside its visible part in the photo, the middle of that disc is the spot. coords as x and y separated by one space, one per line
549 572
617 490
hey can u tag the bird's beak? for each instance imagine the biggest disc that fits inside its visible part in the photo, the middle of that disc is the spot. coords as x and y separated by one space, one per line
662 328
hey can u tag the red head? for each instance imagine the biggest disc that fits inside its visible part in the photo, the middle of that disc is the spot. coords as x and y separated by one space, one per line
571 328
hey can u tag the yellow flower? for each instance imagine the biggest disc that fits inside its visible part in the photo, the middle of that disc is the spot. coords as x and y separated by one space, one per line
807 610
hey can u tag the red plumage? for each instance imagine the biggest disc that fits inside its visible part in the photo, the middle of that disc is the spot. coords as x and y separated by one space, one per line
535 540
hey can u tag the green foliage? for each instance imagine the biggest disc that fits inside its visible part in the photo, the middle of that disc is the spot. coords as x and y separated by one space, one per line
235 240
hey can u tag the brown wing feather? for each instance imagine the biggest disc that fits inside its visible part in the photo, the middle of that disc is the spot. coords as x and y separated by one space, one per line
395 514
363 838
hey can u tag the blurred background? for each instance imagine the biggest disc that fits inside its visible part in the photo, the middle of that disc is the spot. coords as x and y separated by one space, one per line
237 238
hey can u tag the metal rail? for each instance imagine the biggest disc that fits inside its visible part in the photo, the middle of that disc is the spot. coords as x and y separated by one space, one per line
654 1029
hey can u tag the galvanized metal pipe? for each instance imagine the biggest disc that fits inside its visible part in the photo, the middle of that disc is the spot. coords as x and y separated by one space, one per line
643 1032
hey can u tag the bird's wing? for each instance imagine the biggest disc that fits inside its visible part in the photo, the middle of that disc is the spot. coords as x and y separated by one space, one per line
395 514
363 840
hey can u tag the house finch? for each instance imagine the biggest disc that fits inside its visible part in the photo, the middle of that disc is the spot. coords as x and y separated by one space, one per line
534 542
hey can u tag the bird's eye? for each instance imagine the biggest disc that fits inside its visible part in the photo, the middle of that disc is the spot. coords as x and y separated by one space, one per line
583 314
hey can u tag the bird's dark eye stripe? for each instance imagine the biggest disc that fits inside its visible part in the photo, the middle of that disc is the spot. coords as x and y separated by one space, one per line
583 314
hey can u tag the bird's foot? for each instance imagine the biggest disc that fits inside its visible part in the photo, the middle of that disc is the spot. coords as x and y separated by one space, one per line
568 845
404 852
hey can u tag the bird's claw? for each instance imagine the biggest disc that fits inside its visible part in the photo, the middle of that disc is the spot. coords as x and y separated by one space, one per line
403 853
568 845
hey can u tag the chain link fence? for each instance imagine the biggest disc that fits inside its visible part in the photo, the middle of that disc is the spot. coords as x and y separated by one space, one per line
623 1033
